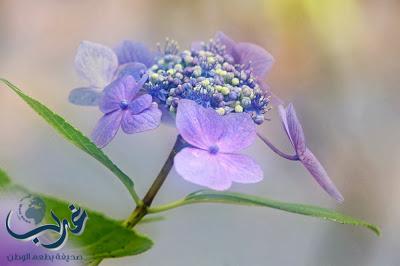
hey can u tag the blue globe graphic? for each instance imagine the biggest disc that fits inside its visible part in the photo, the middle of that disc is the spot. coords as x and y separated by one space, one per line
32 209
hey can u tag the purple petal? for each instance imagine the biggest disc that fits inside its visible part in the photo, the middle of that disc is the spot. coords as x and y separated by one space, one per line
318 172
88 96
261 61
202 168
283 116
295 130
122 89
230 45
136 70
201 127
196 46
96 63
140 104
147 120
239 132
130 52
107 128
142 81
240 168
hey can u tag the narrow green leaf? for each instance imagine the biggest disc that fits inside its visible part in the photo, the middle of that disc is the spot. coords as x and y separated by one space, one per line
102 238
241 199
75 137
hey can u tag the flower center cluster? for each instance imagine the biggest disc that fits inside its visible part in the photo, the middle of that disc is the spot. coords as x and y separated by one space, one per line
207 76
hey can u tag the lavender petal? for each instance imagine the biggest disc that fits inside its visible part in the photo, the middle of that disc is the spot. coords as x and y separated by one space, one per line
122 89
130 52
283 117
196 46
240 168
141 103
295 130
85 96
201 127
239 132
136 70
106 128
260 60
230 45
147 120
202 168
96 63
320 175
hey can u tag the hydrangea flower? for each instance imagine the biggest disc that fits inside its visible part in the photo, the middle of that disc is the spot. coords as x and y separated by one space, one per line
213 159
99 65
220 74
124 107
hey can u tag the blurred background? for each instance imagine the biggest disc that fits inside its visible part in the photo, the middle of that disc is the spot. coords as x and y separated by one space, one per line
336 60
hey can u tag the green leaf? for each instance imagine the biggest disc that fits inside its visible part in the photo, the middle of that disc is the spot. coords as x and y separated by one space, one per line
4 179
102 238
75 137
205 196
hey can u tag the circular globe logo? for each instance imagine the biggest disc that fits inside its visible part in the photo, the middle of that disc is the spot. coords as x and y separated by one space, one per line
31 209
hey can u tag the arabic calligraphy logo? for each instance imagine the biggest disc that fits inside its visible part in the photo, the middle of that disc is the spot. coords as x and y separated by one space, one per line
35 211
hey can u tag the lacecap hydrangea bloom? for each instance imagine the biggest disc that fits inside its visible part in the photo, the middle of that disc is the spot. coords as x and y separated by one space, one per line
216 93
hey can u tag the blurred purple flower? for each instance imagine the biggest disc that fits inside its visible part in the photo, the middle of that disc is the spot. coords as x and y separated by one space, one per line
213 160
295 133
99 65
123 107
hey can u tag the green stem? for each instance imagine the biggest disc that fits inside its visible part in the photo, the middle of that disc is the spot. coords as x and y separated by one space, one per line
142 209
168 206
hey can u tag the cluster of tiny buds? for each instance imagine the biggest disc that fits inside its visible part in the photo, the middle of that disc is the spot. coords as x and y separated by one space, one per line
207 76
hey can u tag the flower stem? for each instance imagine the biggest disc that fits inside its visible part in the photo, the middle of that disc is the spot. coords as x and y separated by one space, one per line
277 151
168 206
142 209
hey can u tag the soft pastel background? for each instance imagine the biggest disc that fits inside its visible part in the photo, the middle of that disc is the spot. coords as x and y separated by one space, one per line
337 60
